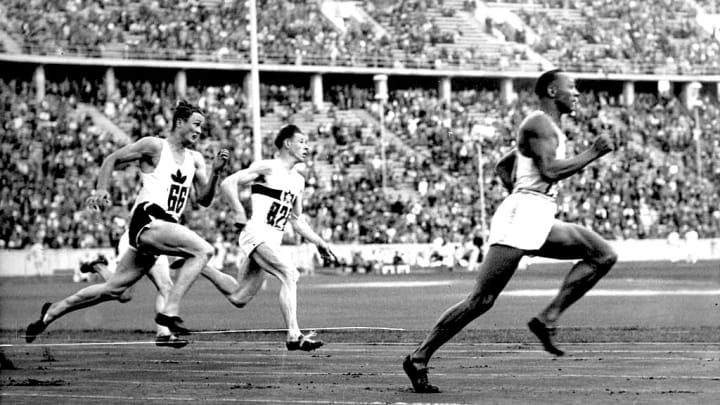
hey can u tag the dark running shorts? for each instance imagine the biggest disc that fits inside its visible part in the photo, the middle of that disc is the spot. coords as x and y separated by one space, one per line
142 216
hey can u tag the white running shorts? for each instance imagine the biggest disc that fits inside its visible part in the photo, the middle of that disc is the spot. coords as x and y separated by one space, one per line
161 263
255 234
523 220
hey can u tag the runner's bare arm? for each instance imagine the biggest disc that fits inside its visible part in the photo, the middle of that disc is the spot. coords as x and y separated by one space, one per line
303 229
147 148
229 187
301 226
539 141
505 169
205 187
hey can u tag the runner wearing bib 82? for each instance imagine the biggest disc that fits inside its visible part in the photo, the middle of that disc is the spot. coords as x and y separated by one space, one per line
272 199
276 197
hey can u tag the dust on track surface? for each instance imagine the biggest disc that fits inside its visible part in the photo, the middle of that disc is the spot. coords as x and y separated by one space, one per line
222 371
622 348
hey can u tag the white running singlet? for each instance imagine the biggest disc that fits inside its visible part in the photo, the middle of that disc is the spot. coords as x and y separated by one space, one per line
169 184
527 175
272 200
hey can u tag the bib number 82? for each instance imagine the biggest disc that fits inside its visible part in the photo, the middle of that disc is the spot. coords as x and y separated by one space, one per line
278 215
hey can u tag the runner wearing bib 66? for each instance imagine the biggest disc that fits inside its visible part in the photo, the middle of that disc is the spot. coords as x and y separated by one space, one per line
169 169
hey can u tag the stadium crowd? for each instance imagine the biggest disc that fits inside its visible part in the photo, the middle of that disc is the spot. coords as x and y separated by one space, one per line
639 37
290 32
657 37
647 188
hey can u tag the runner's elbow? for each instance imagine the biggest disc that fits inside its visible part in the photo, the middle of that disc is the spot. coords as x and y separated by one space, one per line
551 176
238 303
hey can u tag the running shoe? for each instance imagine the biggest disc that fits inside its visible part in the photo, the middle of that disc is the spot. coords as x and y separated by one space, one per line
170 341
418 378
174 323
304 343
545 335
37 327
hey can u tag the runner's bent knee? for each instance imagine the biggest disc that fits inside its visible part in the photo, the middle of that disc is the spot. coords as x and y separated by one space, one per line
242 300
114 291
201 248
207 250
603 256
606 259
238 302
125 297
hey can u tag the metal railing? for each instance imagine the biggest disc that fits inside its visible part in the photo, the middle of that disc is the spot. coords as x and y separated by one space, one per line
484 62
489 61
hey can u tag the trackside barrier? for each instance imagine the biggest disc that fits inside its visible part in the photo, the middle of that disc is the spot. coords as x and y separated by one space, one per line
43 262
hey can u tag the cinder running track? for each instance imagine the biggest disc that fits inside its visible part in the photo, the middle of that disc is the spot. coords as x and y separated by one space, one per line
649 334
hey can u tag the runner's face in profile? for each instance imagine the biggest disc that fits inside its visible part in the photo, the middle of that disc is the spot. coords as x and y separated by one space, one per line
567 95
192 129
298 146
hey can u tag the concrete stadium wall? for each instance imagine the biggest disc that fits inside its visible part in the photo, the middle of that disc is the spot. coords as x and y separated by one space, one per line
32 263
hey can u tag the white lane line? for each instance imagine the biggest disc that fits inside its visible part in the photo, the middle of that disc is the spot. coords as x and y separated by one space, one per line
527 292
613 293
364 347
322 328
387 284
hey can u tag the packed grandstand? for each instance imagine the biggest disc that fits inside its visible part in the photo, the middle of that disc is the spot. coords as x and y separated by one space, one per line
664 176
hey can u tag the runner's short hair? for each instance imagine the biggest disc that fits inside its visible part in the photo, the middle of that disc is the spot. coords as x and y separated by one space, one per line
544 81
183 111
286 132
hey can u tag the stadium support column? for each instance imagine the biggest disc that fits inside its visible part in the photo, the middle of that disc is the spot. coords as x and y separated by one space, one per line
316 86
247 82
507 91
481 185
181 83
445 89
39 79
692 99
110 82
254 87
381 95
629 93
690 94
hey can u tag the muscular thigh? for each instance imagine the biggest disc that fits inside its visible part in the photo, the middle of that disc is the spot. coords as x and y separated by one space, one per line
131 266
169 238
270 260
571 242
496 270
249 269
